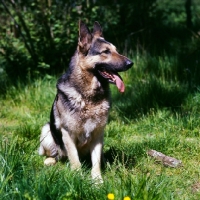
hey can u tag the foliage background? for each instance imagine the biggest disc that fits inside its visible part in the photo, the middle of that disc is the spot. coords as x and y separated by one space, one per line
38 37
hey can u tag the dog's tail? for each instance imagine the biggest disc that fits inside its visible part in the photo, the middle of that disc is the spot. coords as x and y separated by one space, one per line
48 146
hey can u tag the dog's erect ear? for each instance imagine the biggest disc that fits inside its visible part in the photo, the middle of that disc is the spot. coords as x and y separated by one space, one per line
85 38
97 30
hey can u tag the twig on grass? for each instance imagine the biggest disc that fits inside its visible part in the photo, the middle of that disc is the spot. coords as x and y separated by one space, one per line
165 160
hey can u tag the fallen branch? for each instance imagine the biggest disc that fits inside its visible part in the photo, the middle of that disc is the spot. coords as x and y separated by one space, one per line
165 160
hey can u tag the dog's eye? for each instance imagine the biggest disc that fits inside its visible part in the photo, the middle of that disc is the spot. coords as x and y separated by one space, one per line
107 51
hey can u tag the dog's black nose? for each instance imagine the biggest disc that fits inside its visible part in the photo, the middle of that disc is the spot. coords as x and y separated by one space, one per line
129 64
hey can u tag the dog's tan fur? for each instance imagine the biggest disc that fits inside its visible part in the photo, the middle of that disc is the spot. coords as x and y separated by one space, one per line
80 110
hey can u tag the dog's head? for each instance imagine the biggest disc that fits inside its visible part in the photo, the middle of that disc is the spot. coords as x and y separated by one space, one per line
101 56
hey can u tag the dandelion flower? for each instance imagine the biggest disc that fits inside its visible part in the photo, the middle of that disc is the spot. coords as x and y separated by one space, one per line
127 198
111 196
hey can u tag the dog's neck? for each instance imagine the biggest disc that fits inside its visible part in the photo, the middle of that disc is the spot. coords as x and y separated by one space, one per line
88 83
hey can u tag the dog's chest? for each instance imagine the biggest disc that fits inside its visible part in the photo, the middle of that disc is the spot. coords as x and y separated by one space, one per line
91 115
78 113
88 121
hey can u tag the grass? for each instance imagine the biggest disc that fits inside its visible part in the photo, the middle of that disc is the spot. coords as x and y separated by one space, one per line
158 111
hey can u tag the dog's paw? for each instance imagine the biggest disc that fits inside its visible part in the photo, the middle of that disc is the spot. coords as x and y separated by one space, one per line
76 166
97 178
50 161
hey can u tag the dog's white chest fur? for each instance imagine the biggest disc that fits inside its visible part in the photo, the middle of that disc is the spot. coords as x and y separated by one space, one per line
85 137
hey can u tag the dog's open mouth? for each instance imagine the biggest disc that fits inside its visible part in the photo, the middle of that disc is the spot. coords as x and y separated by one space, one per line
113 77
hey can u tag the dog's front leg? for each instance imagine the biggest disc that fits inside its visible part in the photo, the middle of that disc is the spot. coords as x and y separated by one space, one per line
96 152
72 152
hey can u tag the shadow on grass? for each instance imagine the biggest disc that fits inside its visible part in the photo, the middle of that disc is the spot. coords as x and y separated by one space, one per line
128 155
111 156
140 98
158 82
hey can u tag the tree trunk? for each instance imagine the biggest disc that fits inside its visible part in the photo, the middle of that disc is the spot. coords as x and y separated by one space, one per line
188 13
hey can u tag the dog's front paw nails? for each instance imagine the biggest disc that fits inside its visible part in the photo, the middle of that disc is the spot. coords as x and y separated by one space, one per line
50 161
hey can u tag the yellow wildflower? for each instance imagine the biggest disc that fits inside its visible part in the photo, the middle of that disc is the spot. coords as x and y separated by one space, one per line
127 198
111 196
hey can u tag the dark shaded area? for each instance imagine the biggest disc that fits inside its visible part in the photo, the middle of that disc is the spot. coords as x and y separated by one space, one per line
40 37
110 157
114 154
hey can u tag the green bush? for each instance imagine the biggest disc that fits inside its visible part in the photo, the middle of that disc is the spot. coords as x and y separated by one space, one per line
40 36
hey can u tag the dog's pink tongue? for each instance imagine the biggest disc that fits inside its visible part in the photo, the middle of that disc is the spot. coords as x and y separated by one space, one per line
119 83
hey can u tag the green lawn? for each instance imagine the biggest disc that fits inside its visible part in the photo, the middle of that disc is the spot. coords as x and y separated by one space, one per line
159 111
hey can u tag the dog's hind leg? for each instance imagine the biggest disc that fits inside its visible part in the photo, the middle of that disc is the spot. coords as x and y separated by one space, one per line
48 146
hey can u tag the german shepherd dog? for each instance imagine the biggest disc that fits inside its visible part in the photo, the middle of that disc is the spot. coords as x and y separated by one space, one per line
80 110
